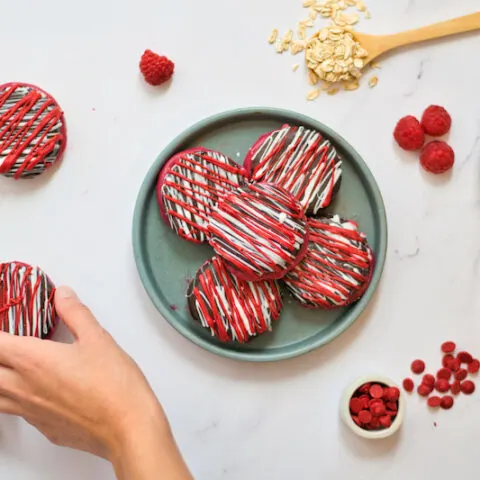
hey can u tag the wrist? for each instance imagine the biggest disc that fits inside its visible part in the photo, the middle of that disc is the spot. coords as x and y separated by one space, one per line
144 448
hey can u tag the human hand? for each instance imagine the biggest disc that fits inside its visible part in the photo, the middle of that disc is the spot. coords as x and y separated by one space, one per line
88 395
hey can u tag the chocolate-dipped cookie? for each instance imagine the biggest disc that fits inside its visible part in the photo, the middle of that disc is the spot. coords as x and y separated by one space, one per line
232 309
26 301
259 231
301 161
337 268
189 186
32 130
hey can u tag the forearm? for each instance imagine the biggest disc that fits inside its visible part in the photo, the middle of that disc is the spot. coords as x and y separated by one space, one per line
149 452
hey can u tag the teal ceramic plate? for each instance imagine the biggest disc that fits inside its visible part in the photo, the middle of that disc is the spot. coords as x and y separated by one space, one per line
166 262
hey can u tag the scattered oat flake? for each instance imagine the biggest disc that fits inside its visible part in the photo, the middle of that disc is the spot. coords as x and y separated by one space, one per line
297 47
368 15
312 78
333 91
279 46
313 94
309 3
273 36
361 6
295 67
373 82
288 37
351 85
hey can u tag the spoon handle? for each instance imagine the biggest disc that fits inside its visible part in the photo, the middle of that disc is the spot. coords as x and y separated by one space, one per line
438 30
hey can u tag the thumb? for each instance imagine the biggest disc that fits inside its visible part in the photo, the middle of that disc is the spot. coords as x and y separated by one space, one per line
78 318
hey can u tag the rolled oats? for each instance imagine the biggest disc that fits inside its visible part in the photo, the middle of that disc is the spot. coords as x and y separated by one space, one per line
313 94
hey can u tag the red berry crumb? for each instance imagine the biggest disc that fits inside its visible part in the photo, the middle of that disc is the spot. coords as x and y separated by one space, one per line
455 365
461 374
376 391
436 121
442 385
428 379
465 357
474 366
455 387
448 347
434 401
409 134
437 157
418 366
424 390
447 360
155 68
356 405
467 387
386 421
444 373
378 410
408 385
365 417
447 402
392 394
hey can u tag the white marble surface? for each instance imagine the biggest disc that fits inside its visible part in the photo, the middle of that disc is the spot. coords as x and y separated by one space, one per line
232 420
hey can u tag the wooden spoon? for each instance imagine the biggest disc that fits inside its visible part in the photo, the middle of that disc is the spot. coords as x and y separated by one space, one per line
377 45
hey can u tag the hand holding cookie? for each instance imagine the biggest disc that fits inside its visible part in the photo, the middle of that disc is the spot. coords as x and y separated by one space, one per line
88 395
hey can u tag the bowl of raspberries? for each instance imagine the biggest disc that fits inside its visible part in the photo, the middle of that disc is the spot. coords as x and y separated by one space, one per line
411 134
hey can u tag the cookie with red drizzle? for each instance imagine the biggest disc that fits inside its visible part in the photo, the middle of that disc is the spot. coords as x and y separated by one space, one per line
301 161
259 230
337 268
26 301
32 130
233 309
189 186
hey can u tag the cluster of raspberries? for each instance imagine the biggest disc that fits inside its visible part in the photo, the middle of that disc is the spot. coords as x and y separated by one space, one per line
436 156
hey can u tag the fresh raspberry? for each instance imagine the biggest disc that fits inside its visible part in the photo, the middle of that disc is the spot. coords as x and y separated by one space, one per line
437 157
436 121
409 133
155 68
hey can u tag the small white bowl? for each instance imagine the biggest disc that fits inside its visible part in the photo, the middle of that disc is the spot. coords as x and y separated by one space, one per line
347 418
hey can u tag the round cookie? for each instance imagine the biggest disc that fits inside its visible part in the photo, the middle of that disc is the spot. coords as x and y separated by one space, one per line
233 309
32 130
337 268
26 301
260 231
301 161
189 186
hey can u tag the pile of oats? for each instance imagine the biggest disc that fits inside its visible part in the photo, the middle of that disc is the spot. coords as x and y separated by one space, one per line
332 55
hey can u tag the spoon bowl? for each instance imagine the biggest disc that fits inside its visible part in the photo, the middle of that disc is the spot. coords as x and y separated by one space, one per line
377 45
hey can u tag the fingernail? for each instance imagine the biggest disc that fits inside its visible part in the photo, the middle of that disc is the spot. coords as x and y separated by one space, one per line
65 293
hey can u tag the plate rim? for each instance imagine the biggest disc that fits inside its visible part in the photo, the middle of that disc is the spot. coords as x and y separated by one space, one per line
149 182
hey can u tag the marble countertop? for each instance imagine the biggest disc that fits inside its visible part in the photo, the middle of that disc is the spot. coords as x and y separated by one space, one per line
234 420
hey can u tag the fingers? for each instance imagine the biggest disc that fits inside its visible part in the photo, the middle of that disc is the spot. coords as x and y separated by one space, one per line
11 384
78 318
13 349
10 406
